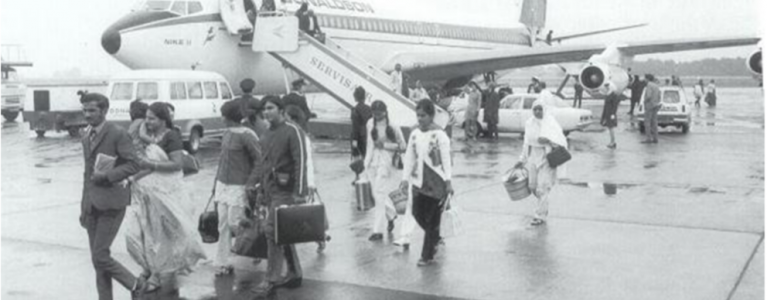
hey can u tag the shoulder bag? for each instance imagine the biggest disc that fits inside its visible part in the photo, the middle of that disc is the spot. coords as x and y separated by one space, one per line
558 156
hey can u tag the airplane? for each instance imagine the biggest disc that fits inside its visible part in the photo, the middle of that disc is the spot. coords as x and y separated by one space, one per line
185 34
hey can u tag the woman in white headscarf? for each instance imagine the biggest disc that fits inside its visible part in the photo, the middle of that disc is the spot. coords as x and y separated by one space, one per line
542 134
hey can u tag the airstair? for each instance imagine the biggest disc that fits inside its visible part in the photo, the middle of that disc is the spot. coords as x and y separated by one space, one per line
332 68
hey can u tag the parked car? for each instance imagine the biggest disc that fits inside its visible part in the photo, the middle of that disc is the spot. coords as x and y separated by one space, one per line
516 109
675 110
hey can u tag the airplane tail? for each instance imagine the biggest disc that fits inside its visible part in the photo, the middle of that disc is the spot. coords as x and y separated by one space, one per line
533 14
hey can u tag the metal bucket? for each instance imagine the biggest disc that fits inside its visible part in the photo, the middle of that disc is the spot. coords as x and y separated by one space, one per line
516 184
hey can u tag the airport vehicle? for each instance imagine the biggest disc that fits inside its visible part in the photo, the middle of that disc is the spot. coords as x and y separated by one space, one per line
13 90
516 109
196 96
675 110
54 104
208 35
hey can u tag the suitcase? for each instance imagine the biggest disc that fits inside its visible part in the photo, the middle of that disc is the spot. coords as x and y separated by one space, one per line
364 192
299 223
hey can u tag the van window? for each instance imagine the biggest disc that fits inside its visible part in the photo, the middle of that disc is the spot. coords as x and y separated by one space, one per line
177 91
211 90
122 91
225 92
194 90
529 102
146 91
671 97
194 7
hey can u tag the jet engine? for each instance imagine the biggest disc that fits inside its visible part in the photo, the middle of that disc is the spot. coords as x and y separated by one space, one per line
754 62
599 79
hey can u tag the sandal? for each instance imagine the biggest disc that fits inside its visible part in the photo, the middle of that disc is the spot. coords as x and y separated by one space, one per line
224 271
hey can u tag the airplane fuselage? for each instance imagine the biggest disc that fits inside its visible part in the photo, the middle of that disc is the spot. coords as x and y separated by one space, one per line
369 29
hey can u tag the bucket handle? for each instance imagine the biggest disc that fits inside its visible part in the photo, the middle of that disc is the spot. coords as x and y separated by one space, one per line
521 170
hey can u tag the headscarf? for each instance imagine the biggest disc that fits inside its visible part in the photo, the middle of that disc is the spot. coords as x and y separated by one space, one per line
547 127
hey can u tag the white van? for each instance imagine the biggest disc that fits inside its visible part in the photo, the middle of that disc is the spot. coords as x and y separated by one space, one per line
196 96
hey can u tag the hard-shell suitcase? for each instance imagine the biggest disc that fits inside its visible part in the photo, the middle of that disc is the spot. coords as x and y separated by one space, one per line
299 223
364 193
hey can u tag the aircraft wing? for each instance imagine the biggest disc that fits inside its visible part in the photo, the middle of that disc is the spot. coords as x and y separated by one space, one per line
456 64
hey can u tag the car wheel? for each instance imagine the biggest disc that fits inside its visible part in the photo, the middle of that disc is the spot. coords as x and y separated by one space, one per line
40 133
641 127
685 128
10 116
193 144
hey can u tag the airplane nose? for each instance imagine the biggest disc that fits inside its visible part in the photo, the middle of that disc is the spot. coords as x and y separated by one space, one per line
111 40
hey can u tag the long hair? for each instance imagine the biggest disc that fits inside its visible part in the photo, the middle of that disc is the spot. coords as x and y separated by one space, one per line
162 112
297 115
379 105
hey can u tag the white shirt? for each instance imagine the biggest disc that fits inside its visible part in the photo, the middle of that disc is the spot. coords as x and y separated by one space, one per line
396 81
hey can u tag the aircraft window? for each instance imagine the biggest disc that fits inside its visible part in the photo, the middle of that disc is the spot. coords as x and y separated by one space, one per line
226 93
194 7
177 91
355 24
179 7
671 97
157 5
194 89
122 91
211 91
529 102
345 23
146 91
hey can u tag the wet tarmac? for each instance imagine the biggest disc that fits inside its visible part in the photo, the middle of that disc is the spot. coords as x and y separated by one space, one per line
683 219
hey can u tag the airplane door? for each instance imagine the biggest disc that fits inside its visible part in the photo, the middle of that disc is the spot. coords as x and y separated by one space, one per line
235 17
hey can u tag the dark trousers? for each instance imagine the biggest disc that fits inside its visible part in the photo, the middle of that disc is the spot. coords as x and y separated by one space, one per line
633 103
280 254
102 226
428 214
492 130
578 100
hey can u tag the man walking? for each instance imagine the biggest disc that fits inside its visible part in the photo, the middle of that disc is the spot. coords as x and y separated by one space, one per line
104 199
637 86
652 106
492 105
578 99
297 98
284 182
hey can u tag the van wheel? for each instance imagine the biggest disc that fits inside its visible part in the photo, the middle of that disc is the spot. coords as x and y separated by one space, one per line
10 116
641 127
685 128
40 133
193 144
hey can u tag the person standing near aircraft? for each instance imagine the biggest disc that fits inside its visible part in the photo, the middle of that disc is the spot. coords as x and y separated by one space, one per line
396 79
610 115
284 182
104 200
549 36
419 93
637 86
360 116
578 98
534 85
492 105
711 94
297 98
384 142
251 108
652 106
697 91
471 122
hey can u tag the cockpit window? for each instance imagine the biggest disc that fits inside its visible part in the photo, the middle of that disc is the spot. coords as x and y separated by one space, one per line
157 5
179 7
194 7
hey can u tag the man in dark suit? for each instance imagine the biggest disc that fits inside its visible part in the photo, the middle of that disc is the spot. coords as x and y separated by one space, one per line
104 196
297 98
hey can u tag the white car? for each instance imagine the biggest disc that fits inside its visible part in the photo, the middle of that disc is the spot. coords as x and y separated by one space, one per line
516 109
675 110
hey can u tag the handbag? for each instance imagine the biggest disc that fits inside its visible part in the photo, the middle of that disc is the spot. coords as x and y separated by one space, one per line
399 198
396 160
357 165
250 238
189 164
558 156
208 222
301 223
450 223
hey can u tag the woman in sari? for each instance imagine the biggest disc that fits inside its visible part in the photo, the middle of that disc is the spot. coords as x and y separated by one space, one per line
161 235
384 141
542 134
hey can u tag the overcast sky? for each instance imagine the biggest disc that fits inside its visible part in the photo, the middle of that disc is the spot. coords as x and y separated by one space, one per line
60 35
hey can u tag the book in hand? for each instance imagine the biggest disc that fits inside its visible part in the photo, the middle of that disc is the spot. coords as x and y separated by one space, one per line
104 163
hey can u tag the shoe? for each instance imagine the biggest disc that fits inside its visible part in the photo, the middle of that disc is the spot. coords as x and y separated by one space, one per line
290 283
224 271
376 237
264 289
654 141
402 243
425 262
612 146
